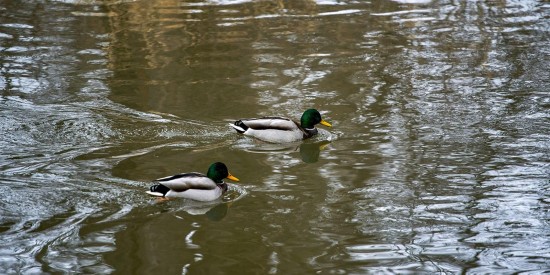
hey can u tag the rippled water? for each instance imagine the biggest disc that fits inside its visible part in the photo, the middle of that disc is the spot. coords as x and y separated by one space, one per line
437 161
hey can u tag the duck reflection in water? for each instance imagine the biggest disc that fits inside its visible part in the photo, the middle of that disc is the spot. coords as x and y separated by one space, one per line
309 151
213 210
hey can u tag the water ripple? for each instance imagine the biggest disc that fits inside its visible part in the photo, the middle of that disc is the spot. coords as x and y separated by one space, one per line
437 162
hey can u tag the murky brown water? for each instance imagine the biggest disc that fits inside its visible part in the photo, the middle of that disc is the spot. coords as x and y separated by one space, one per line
437 161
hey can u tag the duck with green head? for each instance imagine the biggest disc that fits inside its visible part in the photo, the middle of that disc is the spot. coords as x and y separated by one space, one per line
281 129
195 186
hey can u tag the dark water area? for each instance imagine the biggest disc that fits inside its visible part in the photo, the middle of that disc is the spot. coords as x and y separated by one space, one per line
437 161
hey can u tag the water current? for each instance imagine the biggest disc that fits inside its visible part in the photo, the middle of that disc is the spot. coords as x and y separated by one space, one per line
437 161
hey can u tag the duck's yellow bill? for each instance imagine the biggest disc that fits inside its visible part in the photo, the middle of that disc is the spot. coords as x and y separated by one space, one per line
233 178
326 123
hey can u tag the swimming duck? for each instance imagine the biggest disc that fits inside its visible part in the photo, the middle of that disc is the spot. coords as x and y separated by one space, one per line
281 129
195 186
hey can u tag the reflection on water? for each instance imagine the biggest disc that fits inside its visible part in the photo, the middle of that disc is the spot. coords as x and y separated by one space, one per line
215 210
437 162
309 150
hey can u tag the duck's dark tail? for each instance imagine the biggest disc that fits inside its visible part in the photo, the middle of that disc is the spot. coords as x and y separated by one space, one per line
158 190
239 126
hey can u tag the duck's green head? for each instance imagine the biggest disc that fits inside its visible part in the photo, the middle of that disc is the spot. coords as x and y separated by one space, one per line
310 118
218 171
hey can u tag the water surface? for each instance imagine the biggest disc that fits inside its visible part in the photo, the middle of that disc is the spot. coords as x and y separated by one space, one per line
437 161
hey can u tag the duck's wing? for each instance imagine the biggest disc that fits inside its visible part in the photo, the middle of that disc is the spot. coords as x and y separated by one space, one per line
271 123
183 182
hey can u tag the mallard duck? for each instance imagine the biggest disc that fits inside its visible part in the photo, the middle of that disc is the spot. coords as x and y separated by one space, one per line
281 129
195 186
